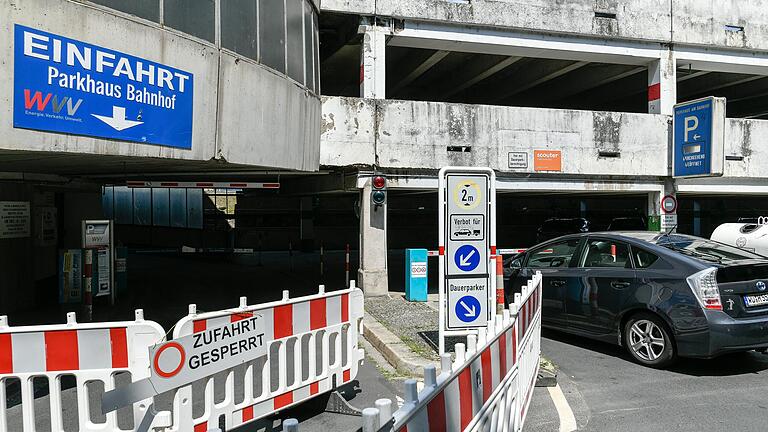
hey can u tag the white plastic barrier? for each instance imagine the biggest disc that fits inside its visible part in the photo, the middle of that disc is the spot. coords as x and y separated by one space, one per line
487 387
91 353
298 331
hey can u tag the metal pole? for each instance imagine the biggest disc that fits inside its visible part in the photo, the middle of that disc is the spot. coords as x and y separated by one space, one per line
346 266
499 285
87 292
291 425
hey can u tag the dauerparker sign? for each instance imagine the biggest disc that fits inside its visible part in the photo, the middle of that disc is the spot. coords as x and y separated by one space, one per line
182 361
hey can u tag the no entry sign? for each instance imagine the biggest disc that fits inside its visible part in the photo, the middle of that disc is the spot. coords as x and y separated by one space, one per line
669 204
187 359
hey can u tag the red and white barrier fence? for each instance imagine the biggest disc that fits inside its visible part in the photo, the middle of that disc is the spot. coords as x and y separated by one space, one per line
487 387
314 338
311 348
92 353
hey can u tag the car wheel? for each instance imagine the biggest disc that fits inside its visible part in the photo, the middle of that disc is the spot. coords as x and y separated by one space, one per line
648 341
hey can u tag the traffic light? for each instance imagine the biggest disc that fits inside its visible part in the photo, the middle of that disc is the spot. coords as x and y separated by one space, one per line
379 192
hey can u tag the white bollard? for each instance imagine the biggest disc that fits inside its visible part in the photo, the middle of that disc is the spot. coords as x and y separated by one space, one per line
139 315
445 364
352 283
243 302
193 309
385 410
71 318
460 353
411 391
430 376
471 343
290 425
286 295
370 420
321 289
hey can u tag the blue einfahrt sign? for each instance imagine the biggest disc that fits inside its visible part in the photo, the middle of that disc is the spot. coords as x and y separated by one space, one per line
65 85
699 138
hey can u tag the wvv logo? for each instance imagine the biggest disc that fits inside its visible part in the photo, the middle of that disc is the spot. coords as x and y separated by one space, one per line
57 104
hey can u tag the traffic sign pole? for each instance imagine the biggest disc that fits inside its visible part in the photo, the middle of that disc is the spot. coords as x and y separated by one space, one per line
467 240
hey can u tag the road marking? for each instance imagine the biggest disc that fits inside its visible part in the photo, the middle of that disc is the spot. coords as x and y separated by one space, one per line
567 420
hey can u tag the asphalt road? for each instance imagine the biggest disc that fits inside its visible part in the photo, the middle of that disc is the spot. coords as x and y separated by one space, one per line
608 392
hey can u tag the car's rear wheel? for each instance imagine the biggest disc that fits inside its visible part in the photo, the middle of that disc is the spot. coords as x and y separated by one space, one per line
648 341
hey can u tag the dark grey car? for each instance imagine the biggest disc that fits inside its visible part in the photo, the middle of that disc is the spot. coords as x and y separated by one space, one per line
661 296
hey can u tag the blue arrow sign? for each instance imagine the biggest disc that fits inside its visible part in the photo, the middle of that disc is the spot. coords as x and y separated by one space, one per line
467 258
69 86
468 309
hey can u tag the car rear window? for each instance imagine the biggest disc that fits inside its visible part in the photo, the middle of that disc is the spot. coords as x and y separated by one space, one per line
643 258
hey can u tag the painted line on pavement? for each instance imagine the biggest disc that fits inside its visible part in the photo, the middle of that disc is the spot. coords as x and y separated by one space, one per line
567 419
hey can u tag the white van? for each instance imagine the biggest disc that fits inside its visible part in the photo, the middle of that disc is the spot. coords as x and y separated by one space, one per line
751 237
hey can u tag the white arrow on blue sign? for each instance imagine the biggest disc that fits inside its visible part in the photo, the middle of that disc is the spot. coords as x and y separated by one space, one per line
467 258
468 308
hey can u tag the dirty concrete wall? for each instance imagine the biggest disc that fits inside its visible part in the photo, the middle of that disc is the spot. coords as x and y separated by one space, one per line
284 117
633 19
704 22
430 135
348 131
746 138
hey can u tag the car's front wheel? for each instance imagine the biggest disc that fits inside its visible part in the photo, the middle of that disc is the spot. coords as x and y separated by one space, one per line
648 341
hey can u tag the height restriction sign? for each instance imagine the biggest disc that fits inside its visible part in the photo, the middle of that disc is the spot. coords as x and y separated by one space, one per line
467 235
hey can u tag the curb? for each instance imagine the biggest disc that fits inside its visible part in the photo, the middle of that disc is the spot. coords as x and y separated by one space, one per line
394 350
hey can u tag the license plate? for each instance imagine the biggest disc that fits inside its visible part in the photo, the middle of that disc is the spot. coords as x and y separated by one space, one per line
756 300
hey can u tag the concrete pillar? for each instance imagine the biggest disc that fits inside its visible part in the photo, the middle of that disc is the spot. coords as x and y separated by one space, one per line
372 275
662 83
373 61
654 210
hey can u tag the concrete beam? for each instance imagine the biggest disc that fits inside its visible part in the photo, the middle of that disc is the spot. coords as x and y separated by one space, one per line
715 59
474 73
419 70
714 83
558 72
441 36
587 79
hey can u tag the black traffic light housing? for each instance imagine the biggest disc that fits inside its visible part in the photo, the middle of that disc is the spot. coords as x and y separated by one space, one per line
378 189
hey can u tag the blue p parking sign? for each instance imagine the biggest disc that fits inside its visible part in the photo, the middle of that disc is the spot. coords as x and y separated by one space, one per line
699 138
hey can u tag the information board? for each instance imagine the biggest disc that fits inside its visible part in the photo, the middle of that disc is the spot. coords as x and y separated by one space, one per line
14 219
70 86
699 138
467 237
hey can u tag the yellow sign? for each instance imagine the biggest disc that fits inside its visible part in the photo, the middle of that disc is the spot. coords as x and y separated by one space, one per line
467 194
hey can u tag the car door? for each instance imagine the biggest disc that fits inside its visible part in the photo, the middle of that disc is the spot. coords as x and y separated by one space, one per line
556 262
608 275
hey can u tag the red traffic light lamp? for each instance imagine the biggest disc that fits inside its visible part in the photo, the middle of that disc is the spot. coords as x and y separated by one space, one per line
379 192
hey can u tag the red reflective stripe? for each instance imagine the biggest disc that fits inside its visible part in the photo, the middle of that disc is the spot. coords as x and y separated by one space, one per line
6 354
237 316
202 427
436 413
404 428
346 375
283 400
314 388
168 184
238 184
485 363
271 185
211 185
61 352
441 250
247 413
465 397
283 317
654 92
119 340
344 307
503 355
198 326
362 73
316 314
493 250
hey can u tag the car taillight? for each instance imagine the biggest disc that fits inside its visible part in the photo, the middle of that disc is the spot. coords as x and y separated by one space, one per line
704 286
